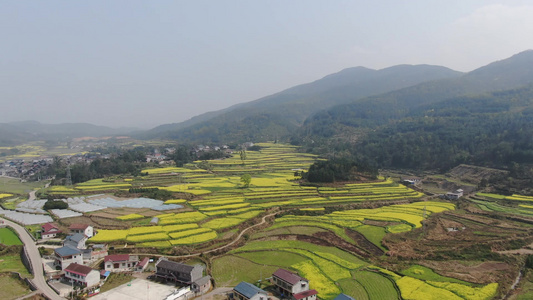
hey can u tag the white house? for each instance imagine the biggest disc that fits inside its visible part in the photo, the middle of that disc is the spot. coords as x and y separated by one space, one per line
49 230
82 275
75 241
85 229
120 262
289 283
67 255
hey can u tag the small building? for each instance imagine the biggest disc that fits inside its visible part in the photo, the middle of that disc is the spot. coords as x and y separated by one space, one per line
120 262
305 295
178 272
94 252
82 275
343 297
75 241
248 291
201 285
142 265
67 255
49 230
455 195
85 229
289 283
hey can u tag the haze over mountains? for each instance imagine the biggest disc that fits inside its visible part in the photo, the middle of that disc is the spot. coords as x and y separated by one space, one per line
19 132
356 106
352 97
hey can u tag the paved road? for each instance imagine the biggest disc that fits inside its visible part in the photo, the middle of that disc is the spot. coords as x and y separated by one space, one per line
36 262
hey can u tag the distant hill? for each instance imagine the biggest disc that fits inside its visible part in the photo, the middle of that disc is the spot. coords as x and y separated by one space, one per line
490 130
278 115
20 132
484 117
510 73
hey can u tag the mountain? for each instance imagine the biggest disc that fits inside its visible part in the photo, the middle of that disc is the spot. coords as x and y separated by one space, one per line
14 133
491 130
484 117
369 112
280 114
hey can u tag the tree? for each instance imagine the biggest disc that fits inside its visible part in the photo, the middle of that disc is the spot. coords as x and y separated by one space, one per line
243 155
246 179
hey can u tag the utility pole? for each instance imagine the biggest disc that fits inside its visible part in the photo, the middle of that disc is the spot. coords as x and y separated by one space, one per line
69 176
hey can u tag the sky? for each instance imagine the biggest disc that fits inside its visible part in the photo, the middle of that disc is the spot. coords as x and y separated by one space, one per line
146 63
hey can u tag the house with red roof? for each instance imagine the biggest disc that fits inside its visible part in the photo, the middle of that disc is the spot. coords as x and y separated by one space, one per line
120 262
289 283
49 230
142 265
305 295
84 229
82 275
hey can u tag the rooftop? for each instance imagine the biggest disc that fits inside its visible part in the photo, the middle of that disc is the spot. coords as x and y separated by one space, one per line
174 266
305 294
117 257
78 269
248 290
75 238
66 251
288 276
343 297
49 226
78 226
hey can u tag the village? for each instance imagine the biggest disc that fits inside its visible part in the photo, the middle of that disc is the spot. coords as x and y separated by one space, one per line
76 268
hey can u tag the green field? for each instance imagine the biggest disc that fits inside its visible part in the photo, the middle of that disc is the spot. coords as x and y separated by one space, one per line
13 263
8 237
12 287
14 186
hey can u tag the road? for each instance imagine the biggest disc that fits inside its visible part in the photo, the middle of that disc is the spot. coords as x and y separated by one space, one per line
35 259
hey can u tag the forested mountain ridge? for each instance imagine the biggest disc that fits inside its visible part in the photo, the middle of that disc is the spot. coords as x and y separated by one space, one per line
510 73
492 130
278 115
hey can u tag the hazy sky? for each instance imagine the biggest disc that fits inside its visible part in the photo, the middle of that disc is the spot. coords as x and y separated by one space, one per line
145 63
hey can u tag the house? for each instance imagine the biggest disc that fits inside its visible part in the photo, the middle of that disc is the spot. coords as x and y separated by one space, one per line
343 297
289 283
305 295
49 230
201 285
178 272
94 252
455 195
120 262
75 241
66 255
142 265
85 229
248 291
82 275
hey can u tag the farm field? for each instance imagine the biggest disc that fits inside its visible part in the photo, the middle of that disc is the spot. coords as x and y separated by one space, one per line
332 271
336 235
11 287
8 237
221 203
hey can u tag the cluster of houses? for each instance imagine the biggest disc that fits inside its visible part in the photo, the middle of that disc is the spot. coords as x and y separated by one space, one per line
287 284
73 258
19 168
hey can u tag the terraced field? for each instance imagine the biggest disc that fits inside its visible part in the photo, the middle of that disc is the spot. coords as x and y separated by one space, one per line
316 236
